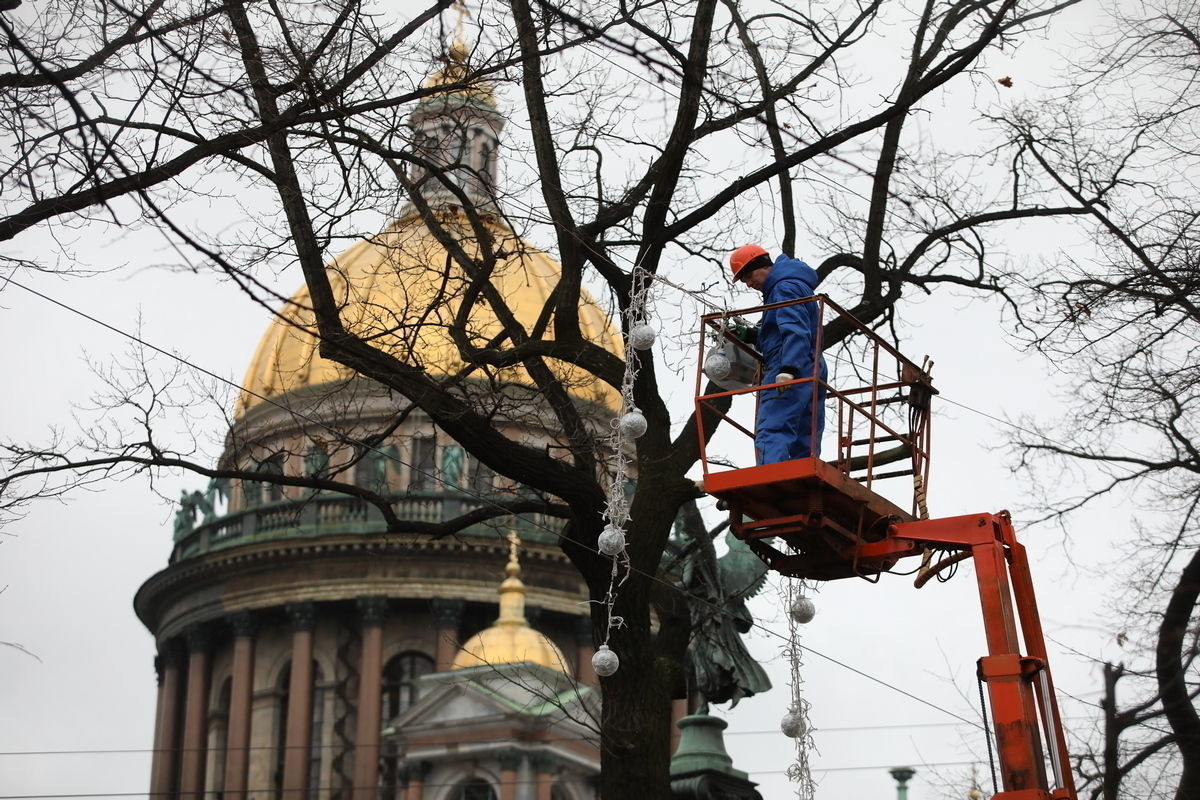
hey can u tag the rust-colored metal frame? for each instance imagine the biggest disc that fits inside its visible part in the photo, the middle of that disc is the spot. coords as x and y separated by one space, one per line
854 405
821 513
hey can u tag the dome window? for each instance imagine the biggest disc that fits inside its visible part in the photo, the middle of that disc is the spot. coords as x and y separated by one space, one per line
400 681
258 492
423 467
371 471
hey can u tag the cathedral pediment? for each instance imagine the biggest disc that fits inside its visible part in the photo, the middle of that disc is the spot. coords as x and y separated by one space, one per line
523 695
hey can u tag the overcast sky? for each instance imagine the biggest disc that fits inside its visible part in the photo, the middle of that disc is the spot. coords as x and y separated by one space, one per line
69 569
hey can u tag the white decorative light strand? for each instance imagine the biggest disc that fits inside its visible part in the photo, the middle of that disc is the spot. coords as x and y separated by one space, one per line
605 661
611 541
628 425
795 722
642 336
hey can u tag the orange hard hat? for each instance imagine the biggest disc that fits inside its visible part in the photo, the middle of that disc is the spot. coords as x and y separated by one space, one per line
743 256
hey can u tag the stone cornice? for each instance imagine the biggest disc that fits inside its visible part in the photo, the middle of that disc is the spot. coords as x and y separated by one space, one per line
193 579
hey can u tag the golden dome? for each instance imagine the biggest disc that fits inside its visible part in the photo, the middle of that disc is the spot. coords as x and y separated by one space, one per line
510 640
401 292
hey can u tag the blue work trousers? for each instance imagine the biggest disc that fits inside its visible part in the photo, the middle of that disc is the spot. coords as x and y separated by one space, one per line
784 428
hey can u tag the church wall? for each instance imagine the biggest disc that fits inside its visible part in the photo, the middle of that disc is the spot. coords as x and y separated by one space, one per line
406 629
327 691
263 731
412 631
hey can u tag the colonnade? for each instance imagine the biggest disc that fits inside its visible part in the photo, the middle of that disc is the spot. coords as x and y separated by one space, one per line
184 668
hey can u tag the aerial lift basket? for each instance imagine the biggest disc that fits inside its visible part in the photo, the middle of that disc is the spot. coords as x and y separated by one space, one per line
877 412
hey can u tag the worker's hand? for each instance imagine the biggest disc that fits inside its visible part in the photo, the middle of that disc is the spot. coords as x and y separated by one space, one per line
783 377
744 331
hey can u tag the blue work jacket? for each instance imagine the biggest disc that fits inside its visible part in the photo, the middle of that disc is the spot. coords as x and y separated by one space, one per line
786 335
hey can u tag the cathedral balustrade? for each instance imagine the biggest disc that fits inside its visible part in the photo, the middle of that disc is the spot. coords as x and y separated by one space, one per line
332 514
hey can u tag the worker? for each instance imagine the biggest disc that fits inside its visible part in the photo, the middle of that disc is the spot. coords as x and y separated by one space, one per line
787 338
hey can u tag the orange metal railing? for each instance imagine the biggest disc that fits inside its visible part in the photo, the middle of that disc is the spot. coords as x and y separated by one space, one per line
876 400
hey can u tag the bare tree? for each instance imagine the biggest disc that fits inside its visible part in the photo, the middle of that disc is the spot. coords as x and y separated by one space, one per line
118 113
1127 320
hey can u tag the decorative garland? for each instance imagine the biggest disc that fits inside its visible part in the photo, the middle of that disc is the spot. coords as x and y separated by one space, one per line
628 426
612 541
795 724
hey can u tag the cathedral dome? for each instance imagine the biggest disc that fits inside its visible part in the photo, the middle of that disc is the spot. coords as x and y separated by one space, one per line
510 639
401 291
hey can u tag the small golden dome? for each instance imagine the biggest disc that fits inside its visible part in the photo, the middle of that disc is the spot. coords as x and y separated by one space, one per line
510 640
401 292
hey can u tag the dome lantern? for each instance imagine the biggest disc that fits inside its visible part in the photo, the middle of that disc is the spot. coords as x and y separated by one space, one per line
457 133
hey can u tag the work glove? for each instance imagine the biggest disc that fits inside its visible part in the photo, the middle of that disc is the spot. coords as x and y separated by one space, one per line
781 377
745 332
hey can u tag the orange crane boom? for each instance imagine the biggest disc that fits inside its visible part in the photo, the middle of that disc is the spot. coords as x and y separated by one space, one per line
811 518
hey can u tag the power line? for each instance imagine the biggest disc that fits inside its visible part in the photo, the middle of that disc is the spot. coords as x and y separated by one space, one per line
322 746
518 782
440 480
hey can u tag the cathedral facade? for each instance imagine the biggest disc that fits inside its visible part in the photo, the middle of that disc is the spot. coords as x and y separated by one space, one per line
307 654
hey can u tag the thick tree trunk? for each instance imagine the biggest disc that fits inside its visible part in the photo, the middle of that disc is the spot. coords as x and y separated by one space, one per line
636 717
1172 683
635 757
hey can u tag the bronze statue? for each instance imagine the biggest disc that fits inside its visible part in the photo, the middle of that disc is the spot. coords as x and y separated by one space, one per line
722 669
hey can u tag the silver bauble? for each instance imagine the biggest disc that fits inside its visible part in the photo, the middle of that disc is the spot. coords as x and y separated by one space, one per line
611 541
717 366
641 336
605 661
633 424
803 610
792 724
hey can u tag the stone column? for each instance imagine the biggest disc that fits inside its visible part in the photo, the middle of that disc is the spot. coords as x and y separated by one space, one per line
447 615
298 737
544 765
584 652
241 692
195 715
510 762
165 766
370 698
